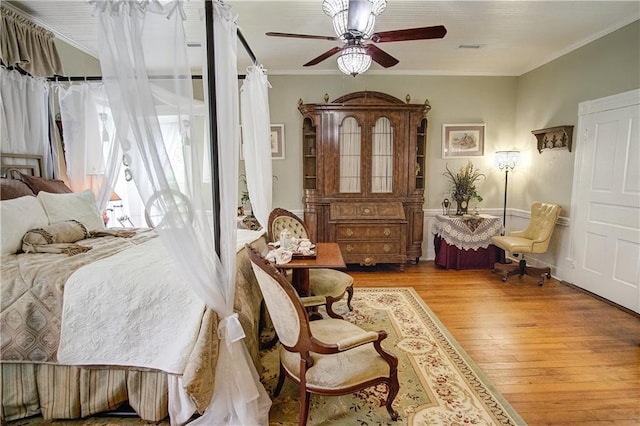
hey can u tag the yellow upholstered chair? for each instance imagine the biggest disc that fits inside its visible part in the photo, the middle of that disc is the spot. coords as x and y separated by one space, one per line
325 357
534 239
330 283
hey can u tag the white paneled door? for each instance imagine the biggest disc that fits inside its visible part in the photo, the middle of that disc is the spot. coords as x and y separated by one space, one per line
606 199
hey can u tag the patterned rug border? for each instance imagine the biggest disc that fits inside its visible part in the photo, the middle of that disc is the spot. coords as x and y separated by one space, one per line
472 372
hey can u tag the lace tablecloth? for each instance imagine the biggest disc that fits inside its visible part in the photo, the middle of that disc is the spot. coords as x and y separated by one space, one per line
469 232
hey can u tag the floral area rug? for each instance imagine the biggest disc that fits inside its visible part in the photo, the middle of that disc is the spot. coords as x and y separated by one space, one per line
439 383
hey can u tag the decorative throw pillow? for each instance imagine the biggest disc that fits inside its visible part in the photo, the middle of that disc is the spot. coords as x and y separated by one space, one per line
68 231
13 188
17 216
38 184
80 206
56 238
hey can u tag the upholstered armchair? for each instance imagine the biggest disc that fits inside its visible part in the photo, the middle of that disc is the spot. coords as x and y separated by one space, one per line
534 239
324 357
328 283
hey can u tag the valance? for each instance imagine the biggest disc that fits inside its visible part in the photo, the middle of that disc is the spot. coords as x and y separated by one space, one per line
28 46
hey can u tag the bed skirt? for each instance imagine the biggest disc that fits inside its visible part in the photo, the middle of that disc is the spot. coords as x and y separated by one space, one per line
62 392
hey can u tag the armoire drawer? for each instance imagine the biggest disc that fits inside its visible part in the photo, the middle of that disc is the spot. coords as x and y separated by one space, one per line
368 231
368 247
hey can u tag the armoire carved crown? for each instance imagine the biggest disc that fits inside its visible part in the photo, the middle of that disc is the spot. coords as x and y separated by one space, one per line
364 175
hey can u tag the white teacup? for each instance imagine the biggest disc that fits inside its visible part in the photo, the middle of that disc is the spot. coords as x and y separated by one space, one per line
304 243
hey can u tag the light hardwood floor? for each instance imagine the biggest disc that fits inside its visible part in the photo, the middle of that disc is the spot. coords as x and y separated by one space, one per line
558 355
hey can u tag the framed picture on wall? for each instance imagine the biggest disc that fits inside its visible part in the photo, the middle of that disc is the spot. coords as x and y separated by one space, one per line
463 140
277 141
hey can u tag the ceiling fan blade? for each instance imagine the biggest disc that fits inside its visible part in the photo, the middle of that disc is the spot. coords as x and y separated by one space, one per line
314 37
380 56
325 55
422 33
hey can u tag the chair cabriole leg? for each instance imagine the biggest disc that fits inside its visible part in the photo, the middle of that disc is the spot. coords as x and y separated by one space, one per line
349 297
394 388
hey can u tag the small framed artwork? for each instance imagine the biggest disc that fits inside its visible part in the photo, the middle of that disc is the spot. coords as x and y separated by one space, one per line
277 141
462 140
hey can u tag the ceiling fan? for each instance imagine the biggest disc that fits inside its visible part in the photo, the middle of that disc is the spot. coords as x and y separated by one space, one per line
353 22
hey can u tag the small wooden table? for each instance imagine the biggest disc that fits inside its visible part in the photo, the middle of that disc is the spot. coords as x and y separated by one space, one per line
328 255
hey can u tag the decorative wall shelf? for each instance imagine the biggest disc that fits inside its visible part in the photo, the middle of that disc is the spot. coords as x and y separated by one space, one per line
559 137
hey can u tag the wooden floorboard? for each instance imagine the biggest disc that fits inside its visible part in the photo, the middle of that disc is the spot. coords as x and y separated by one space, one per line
560 356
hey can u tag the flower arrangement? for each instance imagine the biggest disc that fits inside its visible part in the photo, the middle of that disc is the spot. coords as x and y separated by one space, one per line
463 184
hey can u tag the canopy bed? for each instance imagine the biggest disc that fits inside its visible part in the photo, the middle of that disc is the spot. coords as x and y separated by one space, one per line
200 244
33 284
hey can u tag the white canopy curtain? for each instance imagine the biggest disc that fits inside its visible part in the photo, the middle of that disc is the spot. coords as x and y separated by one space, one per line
24 117
186 226
91 151
256 142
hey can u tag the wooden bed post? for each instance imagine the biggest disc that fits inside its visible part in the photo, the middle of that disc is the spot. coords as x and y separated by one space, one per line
213 123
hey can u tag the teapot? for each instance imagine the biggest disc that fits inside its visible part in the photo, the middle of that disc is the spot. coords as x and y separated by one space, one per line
285 239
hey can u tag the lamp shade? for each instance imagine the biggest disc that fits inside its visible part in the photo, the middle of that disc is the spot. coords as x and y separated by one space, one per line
506 159
354 60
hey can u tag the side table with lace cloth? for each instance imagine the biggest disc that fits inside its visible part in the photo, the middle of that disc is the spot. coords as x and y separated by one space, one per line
464 242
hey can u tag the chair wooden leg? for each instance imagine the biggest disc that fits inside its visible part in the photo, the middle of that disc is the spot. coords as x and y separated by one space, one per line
394 388
305 399
329 306
349 297
278 388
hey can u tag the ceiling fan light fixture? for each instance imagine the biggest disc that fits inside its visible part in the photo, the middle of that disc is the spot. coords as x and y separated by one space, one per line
332 7
362 29
361 23
354 60
378 6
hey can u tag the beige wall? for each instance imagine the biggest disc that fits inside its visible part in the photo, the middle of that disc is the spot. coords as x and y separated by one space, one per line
549 96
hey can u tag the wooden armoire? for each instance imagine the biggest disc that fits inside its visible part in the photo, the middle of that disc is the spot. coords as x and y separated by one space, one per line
364 176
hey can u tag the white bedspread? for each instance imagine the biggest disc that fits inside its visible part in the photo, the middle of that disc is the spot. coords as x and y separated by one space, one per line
118 312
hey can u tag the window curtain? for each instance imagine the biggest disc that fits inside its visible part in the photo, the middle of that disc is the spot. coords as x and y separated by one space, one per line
24 117
382 156
185 225
25 45
256 142
350 137
92 155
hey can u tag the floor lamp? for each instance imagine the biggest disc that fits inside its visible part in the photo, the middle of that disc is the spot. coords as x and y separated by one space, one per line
506 160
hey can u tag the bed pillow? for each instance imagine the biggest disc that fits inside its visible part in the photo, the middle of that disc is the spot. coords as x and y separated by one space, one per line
18 216
38 184
56 238
80 206
13 188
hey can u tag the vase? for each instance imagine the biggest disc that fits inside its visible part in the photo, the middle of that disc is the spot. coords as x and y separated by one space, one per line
462 206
